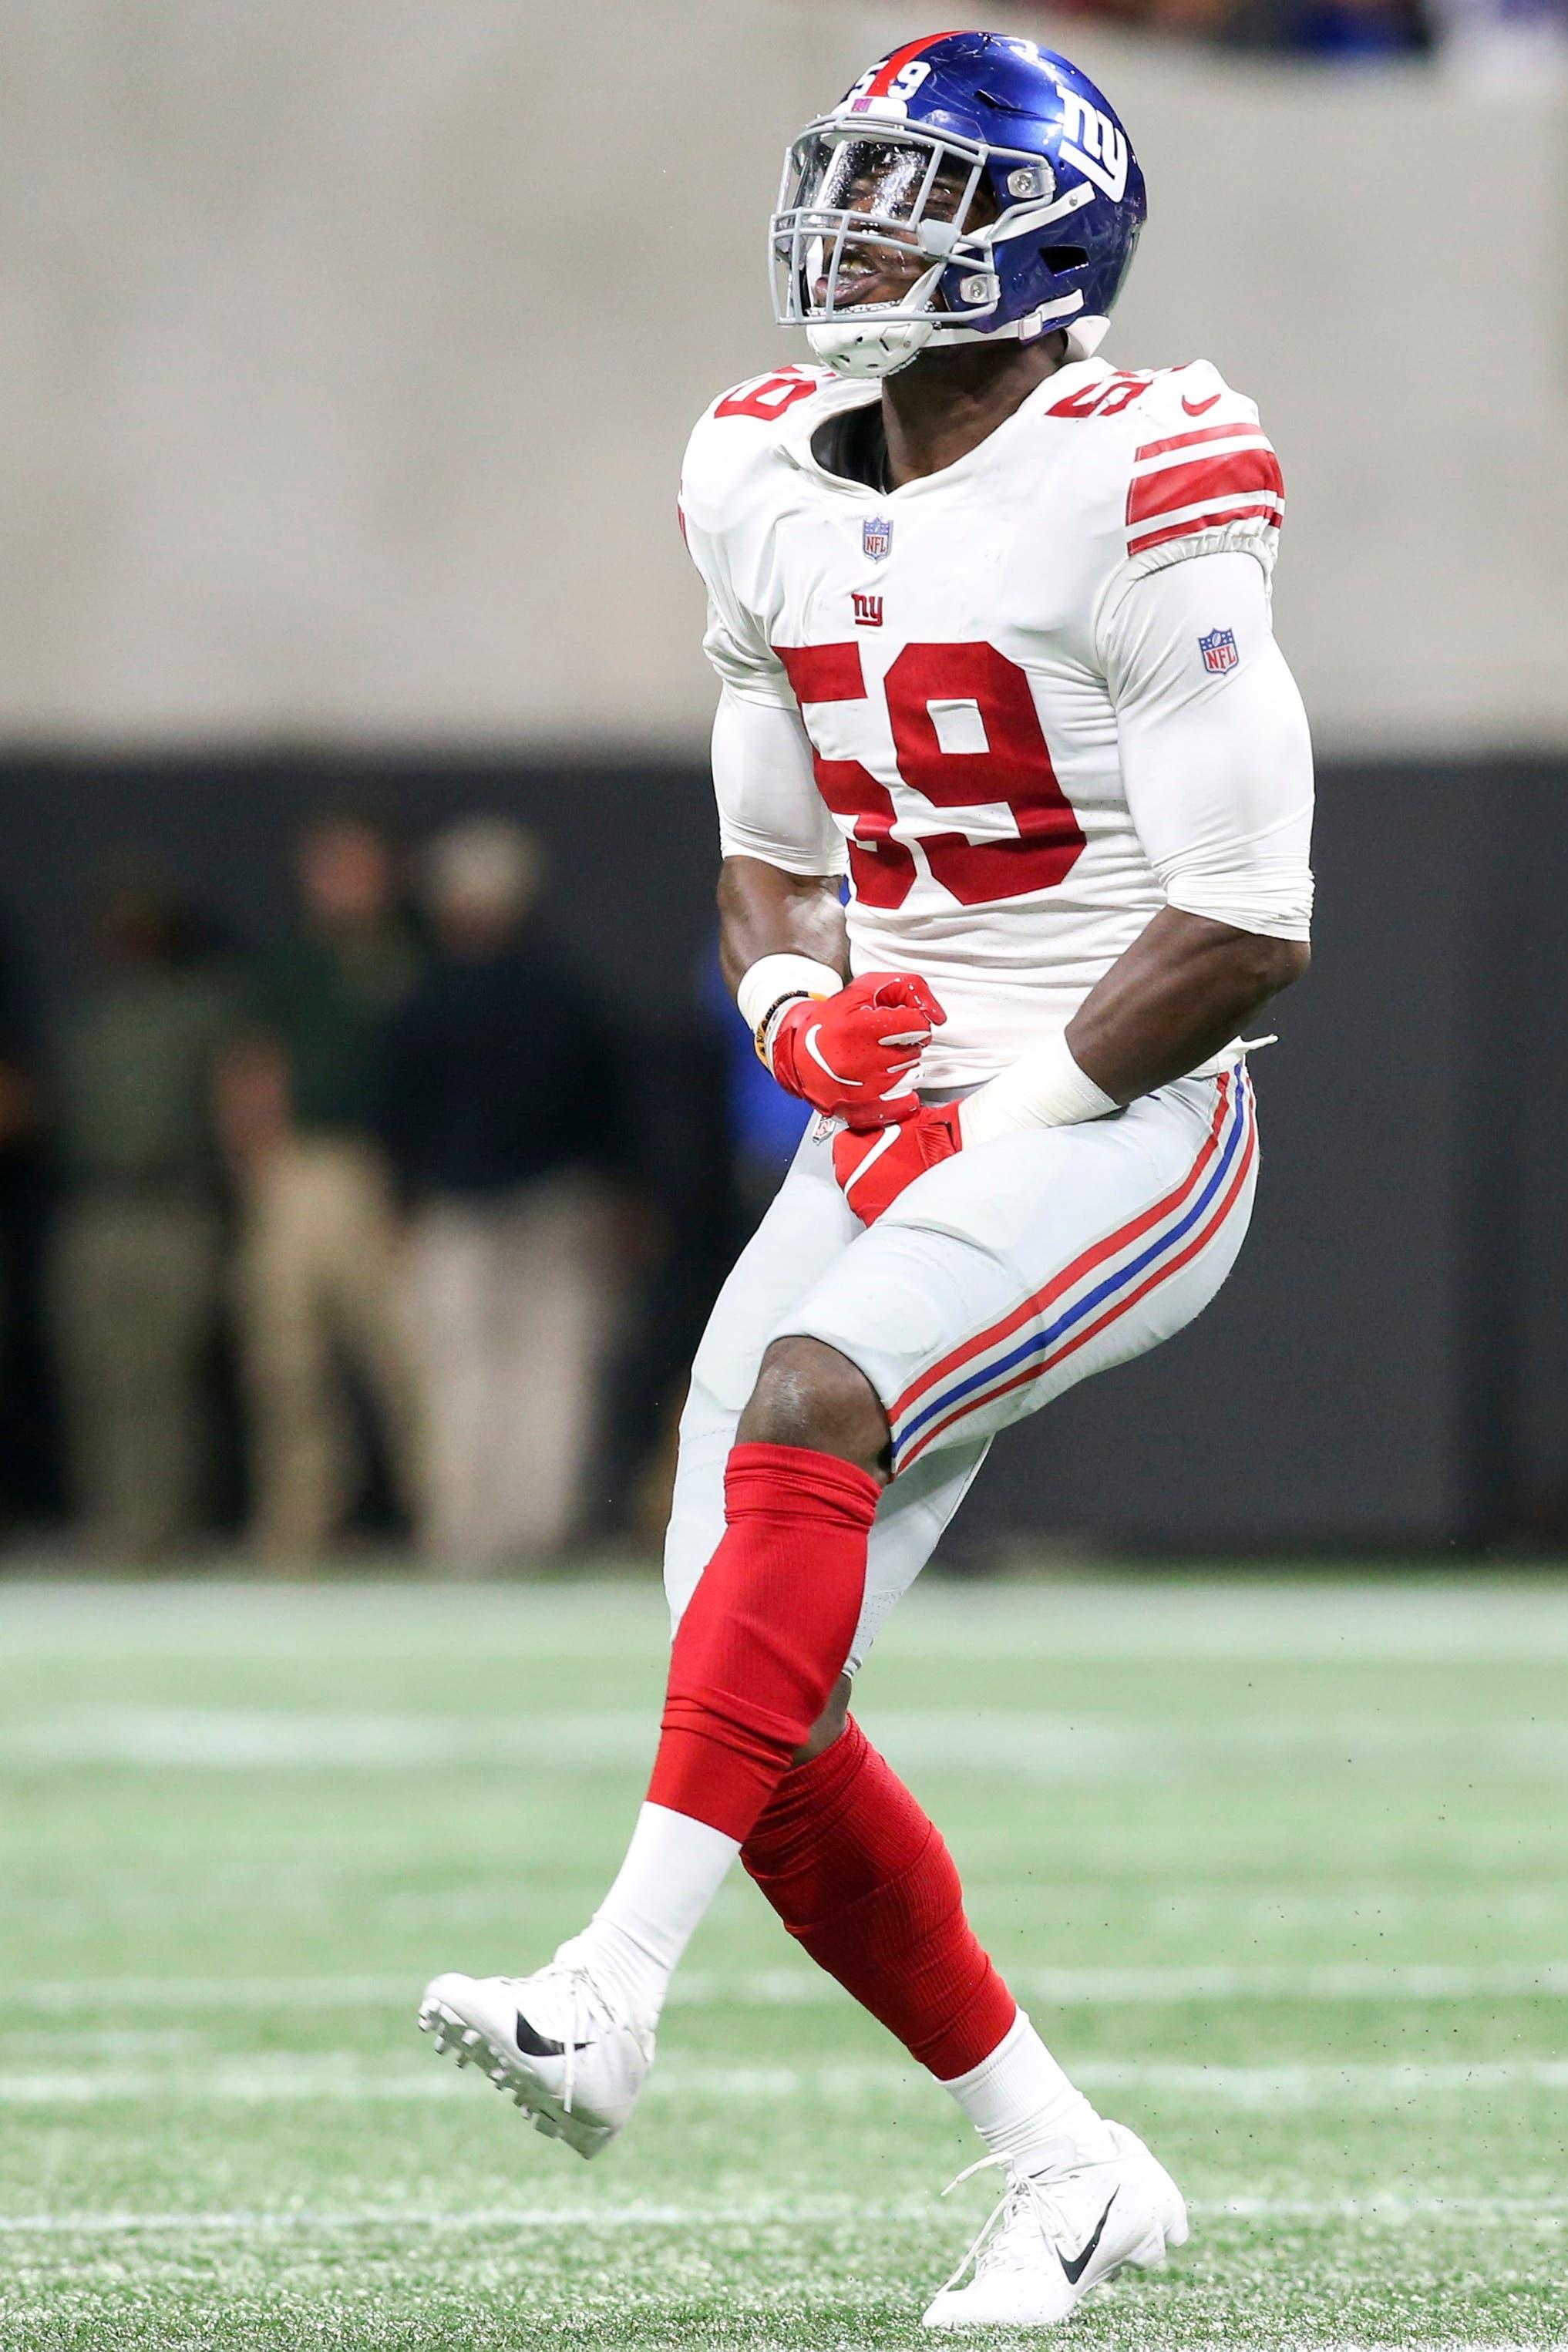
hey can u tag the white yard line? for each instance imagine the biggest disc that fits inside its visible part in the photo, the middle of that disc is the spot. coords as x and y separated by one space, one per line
521 2217
228 2079
1312 2082
249 1739
56 1995
1389 2206
1032 1744
1329 1981
762 2214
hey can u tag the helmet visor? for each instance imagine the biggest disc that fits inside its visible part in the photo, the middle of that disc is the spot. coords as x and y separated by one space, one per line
868 222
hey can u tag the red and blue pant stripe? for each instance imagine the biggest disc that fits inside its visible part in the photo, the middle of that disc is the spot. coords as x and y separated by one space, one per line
1100 1285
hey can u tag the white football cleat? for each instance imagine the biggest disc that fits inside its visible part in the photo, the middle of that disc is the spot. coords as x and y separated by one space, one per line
559 2041
1056 2235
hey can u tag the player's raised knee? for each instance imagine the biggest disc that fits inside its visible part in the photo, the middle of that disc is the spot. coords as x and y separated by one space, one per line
808 1395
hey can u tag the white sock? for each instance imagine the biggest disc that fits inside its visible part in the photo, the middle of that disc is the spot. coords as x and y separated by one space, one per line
673 1869
1024 2107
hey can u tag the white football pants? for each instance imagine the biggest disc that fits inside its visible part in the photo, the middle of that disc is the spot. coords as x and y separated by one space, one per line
999 1280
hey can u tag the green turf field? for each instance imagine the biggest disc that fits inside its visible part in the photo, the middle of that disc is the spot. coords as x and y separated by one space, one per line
1282 1871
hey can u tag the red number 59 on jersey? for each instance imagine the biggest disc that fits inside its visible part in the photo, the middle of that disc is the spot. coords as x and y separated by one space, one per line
1014 770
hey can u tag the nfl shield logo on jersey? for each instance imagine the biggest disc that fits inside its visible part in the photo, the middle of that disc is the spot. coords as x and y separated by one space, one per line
877 538
1218 649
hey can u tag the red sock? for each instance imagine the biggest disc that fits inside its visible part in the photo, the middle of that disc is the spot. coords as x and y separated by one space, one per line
860 1876
767 1634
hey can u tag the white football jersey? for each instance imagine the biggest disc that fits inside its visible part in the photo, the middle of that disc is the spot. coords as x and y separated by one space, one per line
952 647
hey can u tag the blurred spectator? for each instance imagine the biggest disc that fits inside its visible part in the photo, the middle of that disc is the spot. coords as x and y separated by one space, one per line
1346 32
503 1104
319 1272
709 1157
135 1268
22 1442
1503 45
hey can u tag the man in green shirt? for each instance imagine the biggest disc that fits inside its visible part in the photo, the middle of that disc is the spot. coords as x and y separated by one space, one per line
318 1291
135 1264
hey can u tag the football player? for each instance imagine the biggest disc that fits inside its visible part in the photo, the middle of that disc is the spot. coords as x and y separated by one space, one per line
991 621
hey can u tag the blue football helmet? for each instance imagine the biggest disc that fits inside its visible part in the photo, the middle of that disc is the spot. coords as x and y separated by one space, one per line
967 186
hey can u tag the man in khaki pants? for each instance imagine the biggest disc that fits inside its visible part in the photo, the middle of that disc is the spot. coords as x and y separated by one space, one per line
505 1113
318 1276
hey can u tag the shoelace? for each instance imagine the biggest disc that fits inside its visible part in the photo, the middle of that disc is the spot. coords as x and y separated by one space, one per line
586 2003
1022 2195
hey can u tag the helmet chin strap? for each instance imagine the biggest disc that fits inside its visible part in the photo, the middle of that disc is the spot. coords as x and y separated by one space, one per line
863 349
860 348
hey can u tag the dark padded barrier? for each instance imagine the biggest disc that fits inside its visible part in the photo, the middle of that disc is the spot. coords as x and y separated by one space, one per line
1323 1397
1388 1366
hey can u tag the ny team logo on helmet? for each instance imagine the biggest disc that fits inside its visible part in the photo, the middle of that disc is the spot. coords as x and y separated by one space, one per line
996 162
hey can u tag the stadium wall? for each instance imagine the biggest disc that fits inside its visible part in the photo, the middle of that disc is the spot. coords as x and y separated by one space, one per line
1388 1367
347 353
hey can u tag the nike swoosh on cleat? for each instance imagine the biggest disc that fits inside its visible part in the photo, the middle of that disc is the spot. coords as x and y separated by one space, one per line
1075 2269
1196 407
538 2046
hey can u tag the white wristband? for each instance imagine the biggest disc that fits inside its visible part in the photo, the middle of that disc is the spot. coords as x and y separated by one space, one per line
773 976
1044 1087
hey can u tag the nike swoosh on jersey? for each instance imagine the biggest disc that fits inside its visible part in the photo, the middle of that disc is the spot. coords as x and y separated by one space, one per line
1196 407
538 2046
1077 2267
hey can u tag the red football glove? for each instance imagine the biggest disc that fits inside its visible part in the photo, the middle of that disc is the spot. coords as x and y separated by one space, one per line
872 1170
846 1054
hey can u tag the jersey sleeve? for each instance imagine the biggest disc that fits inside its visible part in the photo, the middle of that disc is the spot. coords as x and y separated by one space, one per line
716 499
763 777
741 660
764 780
1215 757
1205 479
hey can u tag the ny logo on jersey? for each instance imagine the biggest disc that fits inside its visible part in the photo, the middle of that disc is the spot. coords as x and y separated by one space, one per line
868 610
1093 141
1218 650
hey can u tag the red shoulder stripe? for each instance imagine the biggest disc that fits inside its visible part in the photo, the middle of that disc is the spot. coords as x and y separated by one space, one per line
1191 440
1219 473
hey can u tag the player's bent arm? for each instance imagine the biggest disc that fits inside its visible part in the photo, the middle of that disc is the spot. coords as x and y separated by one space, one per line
848 1047
765 912
764 780
1180 993
778 887
1217 767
